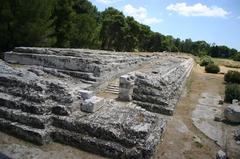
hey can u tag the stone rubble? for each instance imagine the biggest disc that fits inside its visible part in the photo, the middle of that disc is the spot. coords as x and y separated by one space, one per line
237 135
92 104
232 113
221 155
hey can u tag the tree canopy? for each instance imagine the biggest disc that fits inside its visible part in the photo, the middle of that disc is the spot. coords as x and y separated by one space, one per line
78 24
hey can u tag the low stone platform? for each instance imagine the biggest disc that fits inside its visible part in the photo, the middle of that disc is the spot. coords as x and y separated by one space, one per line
51 94
42 110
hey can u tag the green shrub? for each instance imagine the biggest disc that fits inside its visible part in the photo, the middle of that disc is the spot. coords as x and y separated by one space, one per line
212 68
232 91
232 77
236 57
206 60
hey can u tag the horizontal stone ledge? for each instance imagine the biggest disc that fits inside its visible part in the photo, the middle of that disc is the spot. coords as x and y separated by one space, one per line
35 121
37 136
166 110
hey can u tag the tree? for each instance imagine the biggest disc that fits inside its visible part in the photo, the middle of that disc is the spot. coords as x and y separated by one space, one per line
131 37
187 46
157 42
85 27
144 37
113 30
220 51
200 48
64 22
26 23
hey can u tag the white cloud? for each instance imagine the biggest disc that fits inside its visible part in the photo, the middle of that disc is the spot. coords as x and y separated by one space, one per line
140 14
108 1
197 10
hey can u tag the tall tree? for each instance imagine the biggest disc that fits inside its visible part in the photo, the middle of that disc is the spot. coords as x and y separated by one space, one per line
26 23
64 22
113 30
86 29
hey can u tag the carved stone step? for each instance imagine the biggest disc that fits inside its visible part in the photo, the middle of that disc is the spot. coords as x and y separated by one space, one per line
35 121
37 136
95 145
112 92
12 102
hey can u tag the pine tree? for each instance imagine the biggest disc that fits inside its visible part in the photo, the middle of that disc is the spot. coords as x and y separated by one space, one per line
26 23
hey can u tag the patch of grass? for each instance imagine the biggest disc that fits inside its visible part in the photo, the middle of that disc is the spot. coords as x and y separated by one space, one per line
227 62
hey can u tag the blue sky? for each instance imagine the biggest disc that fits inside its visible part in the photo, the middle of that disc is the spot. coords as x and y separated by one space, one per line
215 21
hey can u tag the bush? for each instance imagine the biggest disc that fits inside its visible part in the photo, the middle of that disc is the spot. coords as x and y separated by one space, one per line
212 68
236 57
232 91
206 60
232 77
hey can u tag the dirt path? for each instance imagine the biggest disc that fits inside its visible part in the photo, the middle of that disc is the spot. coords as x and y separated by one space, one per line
182 140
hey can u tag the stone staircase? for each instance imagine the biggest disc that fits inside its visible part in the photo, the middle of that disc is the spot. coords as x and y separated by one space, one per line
113 87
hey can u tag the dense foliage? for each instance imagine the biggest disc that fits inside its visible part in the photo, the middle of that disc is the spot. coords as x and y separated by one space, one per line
232 77
236 57
232 91
212 68
206 60
78 24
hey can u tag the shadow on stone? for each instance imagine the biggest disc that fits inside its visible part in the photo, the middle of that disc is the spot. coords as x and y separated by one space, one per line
2 156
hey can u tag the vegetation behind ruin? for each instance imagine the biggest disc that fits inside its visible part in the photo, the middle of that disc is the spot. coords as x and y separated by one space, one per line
78 24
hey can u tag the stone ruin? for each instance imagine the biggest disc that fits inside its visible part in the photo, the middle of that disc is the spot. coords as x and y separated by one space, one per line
49 94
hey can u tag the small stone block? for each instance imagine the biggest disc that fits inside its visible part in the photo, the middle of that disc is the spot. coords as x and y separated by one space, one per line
221 155
86 94
126 87
92 105
235 102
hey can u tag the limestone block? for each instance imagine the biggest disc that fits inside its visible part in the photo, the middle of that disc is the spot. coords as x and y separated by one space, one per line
235 102
221 155
232 113
86 94
92 105
237 134
126 83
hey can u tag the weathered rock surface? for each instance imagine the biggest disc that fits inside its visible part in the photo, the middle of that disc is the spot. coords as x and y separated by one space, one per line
88 65
42 108
159 90
221 155
92 104
126 84
51 97
237 135
232 113
204 114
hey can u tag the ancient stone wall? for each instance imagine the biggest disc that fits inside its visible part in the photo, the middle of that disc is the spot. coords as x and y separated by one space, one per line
159 90
49 94
42 109
90 65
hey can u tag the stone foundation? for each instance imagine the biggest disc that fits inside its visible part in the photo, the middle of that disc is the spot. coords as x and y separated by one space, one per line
50 95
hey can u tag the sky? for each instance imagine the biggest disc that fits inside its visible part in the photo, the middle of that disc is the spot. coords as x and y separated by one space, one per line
215 21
